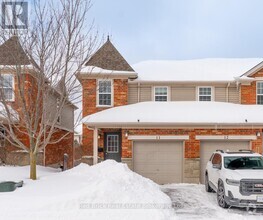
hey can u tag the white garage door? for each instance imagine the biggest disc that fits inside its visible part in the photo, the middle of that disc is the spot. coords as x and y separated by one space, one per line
160 161
208 147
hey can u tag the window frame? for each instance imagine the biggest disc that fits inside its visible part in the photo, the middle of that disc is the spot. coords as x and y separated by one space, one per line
257 92
167 95
198 93
118 144
98 93
12 87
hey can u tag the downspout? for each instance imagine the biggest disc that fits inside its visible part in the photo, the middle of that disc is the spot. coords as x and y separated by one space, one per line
95 144
139 92
227 92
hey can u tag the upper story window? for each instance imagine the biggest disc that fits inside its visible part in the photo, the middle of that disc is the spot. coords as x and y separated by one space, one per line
104 93
7 86
161 93
260 93
205 94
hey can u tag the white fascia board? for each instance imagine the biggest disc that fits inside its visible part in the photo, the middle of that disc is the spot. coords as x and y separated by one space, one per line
226 137
158 137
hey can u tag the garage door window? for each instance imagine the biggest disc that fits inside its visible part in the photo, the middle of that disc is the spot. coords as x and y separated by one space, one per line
112 143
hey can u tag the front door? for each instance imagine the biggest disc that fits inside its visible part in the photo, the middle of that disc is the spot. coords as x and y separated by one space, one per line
112 146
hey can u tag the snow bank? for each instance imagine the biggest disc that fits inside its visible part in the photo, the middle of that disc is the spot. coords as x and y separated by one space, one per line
213 69
108 190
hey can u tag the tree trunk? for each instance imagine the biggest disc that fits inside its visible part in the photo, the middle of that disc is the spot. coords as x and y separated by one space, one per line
33 165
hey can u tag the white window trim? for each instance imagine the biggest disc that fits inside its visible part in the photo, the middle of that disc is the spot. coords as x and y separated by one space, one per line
13 87
212 92
97 93
257 92
168 92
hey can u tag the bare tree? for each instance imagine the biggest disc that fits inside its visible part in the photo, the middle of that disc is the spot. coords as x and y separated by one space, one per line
59 39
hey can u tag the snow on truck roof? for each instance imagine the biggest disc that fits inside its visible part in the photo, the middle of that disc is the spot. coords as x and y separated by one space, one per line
170 113
211 69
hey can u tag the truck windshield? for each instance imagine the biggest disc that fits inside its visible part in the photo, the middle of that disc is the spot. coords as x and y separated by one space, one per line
243 162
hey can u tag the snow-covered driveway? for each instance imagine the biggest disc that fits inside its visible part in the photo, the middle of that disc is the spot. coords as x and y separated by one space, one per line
191 201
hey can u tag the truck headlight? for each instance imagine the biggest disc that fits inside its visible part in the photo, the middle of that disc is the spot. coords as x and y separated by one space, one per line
233 182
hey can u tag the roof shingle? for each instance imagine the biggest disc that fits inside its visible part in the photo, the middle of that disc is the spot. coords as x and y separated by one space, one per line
12 53
109 58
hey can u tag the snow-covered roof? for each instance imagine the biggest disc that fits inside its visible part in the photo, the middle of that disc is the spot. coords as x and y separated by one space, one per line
97 70
213 69
170 113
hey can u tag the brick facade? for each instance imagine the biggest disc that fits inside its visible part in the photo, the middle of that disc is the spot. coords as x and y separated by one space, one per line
54 153
89 92
192 146
249 92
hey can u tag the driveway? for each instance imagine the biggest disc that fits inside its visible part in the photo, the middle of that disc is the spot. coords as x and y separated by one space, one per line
191 201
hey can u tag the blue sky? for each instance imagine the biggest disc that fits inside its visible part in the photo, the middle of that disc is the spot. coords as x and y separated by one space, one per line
181 29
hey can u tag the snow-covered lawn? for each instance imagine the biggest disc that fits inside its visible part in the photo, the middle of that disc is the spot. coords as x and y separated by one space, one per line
192 202
108 190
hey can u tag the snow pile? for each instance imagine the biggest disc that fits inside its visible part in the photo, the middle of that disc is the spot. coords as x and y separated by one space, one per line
108 190
213 69
170 113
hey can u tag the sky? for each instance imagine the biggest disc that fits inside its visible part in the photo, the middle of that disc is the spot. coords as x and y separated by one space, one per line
181 29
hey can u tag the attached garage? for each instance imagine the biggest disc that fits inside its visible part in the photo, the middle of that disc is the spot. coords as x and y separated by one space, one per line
207 147
160 161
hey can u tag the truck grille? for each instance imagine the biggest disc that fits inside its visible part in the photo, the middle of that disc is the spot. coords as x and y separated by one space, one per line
251 186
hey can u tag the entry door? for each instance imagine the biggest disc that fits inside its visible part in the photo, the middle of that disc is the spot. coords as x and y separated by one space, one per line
112 146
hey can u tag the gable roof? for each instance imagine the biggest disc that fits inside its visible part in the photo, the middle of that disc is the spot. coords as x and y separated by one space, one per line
12 53
253 70
109 58
199 70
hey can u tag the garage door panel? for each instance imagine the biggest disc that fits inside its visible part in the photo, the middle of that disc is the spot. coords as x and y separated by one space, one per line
208 147
160 161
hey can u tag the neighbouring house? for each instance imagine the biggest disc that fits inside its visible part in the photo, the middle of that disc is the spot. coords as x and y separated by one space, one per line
165 118
13 57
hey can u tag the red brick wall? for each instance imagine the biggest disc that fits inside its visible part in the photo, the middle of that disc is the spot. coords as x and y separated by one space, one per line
54 152
249 92
192 146
120 92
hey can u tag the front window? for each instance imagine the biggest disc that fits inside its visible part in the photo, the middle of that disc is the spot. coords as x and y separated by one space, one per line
243 163
105 92
161 94
205 94
260 93
7 83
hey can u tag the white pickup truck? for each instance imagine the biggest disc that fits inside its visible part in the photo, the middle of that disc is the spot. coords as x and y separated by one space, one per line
236 177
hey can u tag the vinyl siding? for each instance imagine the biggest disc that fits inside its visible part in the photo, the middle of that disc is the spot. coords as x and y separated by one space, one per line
220 94
234 94
145 93
132 93
182 93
